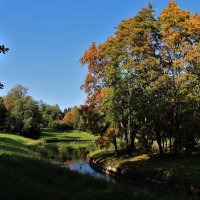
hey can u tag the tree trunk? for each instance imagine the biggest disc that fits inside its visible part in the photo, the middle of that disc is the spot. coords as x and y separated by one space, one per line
166 147
125 135
170 143
158 138
176 133
132 140
115 144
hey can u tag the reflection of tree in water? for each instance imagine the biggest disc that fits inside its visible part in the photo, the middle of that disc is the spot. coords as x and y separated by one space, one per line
72 153
68 154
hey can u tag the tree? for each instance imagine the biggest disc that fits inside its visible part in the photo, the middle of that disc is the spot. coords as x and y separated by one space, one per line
73 119
150 70
131 56
49 114
1 86
180 54
3 50
23 113
94 86
3 113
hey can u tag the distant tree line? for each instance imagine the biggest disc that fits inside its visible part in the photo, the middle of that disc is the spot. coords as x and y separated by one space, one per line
144 82
21 114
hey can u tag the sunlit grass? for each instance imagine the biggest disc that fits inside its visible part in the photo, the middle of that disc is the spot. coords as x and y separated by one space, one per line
70 135
22 140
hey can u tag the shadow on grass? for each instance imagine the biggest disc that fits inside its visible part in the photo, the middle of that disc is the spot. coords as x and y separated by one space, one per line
7 144
14 149
183 168
65 139
51 130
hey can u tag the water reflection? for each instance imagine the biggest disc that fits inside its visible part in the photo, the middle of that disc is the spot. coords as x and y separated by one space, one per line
82 166
72 155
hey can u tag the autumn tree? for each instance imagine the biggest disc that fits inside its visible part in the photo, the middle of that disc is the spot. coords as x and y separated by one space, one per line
95 88
132 52
150 70
180 34
73 119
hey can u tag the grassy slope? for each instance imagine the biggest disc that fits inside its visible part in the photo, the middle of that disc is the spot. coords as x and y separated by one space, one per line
181 167
25 175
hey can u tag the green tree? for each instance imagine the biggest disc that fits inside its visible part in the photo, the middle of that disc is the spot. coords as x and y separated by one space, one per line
49 114
3 113
23 112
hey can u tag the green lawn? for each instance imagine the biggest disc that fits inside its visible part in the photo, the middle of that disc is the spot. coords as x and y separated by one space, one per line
25 174
49 135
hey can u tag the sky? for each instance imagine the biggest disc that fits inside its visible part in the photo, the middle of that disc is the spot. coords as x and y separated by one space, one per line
47 38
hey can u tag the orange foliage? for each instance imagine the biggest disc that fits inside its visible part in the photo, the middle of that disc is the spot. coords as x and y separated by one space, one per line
93 57
70 116
105 140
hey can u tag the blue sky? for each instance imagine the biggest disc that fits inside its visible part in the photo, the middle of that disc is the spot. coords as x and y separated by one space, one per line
47 38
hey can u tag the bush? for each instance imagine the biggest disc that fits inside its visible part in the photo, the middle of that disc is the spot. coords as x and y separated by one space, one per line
33 133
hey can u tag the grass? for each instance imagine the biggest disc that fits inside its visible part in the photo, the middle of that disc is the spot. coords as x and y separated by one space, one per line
58 144
25 174
182 167
51 135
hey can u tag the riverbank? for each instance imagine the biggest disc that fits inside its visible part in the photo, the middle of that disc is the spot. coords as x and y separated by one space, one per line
181 173
26 174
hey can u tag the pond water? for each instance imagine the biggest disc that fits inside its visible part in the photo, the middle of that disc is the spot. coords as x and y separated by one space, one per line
81 165
73 155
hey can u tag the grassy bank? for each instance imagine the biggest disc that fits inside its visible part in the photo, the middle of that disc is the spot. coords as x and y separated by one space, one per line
182 167
25 174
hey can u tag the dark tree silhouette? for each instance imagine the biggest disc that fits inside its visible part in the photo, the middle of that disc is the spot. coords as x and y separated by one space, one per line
3 50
